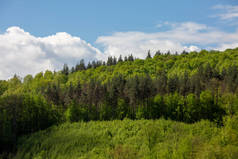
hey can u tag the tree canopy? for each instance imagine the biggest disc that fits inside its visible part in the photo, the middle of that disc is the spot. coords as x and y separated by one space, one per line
188 87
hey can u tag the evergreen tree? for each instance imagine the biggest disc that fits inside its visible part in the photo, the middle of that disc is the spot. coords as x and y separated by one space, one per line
157 53
94 64
65 70
120 59
131 58
148 55
99 63
161 83
173 84
89 65
184 84
109 61
184 52
114 62
125 58
72 70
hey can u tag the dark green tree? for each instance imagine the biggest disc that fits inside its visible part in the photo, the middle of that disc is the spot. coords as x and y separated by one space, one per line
148 55
65 70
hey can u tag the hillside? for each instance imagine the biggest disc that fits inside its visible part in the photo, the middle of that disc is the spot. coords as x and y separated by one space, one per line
187 87
129 139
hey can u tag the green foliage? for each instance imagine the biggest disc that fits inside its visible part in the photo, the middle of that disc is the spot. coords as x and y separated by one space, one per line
3 86
189 87
174 105
230 103
75 113
193 109
24 114
122 109
137 139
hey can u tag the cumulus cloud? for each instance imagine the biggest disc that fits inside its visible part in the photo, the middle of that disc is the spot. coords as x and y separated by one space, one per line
229 12
187 36
23 53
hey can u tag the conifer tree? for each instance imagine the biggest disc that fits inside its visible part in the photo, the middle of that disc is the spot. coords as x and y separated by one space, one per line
65 70
148 55
120 59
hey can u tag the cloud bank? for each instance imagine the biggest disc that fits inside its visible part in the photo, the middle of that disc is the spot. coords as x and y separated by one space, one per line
22 53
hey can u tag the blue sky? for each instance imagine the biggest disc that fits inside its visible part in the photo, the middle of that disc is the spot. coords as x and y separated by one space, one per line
46 34
92 18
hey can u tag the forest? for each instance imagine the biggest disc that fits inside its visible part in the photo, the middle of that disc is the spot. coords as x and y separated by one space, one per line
152 99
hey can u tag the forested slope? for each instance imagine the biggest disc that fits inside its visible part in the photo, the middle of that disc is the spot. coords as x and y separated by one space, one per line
188 87
127 139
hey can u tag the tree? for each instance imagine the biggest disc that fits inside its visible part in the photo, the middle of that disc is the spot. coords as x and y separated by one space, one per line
125 58
122 109
75 113
174 106
229 102
168 52
72 70
208 72
49 75
69 94
3 86
161 83
99 63
148 55
196 85
130 58
232 78
146 88
94 64
27 79
109 61
21 114
114 62
158 108
184 84
157 53
120 59
89 65
52 94
65 70
192 109
184 52
209 109
80 66
78 91
173 84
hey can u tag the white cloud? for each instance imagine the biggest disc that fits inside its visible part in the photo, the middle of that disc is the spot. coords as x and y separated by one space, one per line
229 12
191 48
23 53
187 36
181 26
223 47
137 43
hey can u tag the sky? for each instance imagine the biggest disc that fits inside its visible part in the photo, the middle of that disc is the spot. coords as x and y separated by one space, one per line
43 35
